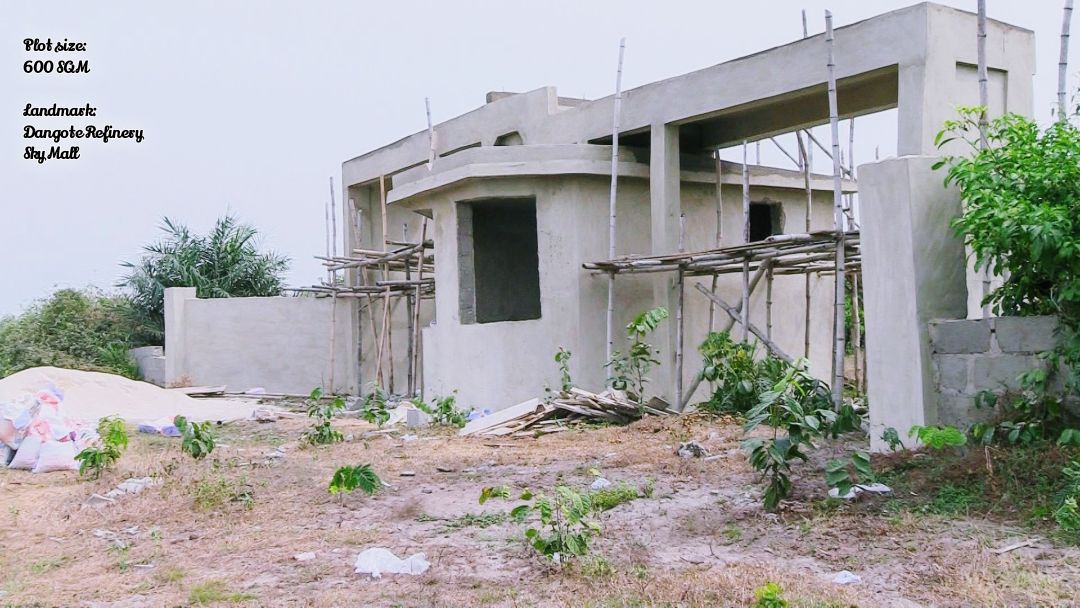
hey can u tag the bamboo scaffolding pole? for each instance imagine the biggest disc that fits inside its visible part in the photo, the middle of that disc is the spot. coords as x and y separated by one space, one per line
843 170
746 239
409 344
768 300
784 150
679 286
382 210
415 312
838 218
856 329
804 151
333 221
1063 62
610 319
984 102
329 273
719 232
734 313
431 134
805 31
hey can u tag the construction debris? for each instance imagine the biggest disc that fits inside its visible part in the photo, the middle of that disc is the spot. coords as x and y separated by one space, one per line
539 417
691 449
379 560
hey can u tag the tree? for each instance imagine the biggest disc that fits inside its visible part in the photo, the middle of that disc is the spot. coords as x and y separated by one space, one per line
224 263
1021 215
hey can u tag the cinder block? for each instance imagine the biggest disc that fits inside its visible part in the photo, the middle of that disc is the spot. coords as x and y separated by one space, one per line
1000 372
963 336
952 372
1026 334
960 411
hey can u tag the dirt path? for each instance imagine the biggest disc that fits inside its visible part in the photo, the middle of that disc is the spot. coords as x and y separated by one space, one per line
228 532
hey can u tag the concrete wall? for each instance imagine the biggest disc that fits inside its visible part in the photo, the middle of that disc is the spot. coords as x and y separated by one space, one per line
972 356
913 272
280 344
151 362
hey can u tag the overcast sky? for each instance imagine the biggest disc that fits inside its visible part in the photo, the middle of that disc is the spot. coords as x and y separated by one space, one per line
249 107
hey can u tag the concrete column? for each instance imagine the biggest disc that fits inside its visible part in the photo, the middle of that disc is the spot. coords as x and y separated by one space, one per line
665 208
175 355
913 271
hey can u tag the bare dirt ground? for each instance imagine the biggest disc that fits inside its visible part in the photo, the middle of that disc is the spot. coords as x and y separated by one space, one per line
226 530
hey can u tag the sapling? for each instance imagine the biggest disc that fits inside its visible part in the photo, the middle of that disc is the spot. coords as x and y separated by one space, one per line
630 371
564 520
349 478
114 440
197 439
323 412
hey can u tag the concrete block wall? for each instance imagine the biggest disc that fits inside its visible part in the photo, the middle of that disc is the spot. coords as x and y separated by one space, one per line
975 355
151 362
281 344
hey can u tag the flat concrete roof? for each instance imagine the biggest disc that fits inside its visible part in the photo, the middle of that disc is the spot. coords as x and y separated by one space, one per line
776 90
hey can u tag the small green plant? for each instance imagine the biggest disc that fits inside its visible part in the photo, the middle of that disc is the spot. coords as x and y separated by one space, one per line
612 496
1067 513
630 371
374 408
563 526
769 595
938 437
443 412
562 359
845 475
94 460
196 438
892 438
798 405
596 566
215 490
349 478
215 591
474 520
322 411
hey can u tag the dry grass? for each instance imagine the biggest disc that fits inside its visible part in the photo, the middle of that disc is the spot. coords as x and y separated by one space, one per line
225 530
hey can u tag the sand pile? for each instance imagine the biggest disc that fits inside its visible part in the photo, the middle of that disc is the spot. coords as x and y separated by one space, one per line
93 395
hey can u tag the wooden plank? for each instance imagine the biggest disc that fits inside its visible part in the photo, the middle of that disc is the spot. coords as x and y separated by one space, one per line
502 416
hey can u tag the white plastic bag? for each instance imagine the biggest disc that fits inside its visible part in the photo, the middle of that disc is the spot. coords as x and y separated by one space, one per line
27 455
379 560
56 456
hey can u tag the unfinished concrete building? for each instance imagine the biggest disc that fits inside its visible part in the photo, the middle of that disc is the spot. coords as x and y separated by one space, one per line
515 199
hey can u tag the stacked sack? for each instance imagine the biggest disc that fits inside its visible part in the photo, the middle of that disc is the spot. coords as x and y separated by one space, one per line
36 435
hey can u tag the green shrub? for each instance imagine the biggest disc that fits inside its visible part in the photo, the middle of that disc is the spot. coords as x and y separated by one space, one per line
738 379
938 437
77 329
769 595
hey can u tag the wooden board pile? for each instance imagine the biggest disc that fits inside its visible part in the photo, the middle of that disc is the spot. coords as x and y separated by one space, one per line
540 417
